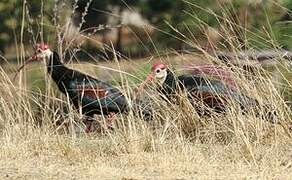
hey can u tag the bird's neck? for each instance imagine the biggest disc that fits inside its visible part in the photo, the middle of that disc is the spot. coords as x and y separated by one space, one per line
55 66
169 84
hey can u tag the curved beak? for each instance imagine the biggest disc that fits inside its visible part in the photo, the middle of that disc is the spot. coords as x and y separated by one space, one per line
148 79
29 60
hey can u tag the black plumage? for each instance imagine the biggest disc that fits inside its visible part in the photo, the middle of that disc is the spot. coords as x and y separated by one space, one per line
212 93
95 96
87 93
92 95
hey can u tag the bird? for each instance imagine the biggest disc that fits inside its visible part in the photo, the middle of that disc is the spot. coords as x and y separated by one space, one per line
92 95
213 93
214 71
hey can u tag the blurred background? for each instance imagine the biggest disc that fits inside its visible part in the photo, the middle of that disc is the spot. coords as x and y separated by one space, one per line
139 28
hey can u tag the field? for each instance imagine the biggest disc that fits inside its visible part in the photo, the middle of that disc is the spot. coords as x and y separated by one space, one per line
42 135
176 144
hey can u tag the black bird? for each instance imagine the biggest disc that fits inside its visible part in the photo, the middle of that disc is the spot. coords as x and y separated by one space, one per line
213 93
92 95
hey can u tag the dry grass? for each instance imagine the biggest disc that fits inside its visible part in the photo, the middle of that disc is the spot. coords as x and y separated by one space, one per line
177 144
62 157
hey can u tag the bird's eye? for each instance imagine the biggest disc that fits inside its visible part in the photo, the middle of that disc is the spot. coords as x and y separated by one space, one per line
39 51
157 70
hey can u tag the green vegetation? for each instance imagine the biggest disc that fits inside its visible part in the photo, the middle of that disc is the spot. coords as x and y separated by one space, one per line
14 13
178 24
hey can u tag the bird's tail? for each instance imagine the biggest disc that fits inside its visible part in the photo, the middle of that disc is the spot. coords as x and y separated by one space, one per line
269 113
264 111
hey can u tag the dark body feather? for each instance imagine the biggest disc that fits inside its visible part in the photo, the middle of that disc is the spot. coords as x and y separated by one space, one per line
213 93
93 95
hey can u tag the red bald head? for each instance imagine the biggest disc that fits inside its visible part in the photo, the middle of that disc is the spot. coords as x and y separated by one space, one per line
42 52
160 66
42 46
158 73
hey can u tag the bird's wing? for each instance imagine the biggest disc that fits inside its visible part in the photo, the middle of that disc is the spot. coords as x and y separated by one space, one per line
214 91
217 92
90 88
209 98
93 92
218 72
192 82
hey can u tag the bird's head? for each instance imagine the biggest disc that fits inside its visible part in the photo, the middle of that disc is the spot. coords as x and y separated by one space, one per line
42 52
158 75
